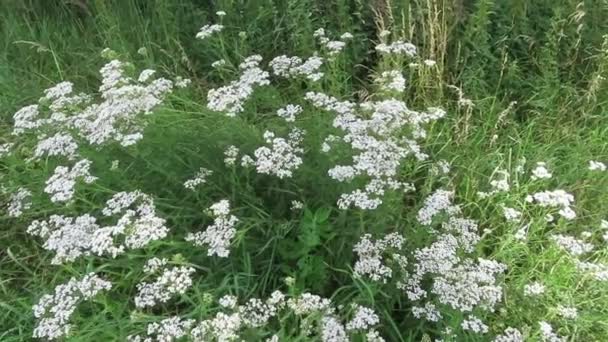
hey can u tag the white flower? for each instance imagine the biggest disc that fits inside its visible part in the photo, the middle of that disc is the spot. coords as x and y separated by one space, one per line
172 281
293 67
199 178
283 155
371 260
61 184
397 47
510 335
53 311
363 319
572 245
219 63
57 145
547 333
541 171
228 301
568 312
429 62
168 330
437 202
296 205
19 201
289 112
218 236
207 30
154 265
220 13
534 289
392 81
596 166
475 325
231 98
230 155
346 36
511 214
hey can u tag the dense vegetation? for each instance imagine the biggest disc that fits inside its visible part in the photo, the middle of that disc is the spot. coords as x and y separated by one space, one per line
513 182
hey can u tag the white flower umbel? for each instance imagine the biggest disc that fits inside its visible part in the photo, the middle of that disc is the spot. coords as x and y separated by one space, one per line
231 98
218 236
398 47
230 155
596 270
391 81
511 214
548 335
555 199
168 330
428 312
199 178
596 166
572 245
61 184
19 201
475 325
60 144
375 133
289 112
439 201
567 312
541 171
534 289
282 157
208 30
172 281
363 319
294 67
54 311
510 335
373 256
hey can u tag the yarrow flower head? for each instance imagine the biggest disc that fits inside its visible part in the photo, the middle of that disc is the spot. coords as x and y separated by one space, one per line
53 311
208 30
283 155
218 236
19 201
199 178
172 281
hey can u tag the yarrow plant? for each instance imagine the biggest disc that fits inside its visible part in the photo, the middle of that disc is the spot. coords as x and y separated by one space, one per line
274 260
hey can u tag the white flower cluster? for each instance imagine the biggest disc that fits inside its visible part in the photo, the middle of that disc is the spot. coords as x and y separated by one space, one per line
283 155
171 281
5 149
596 166
510 335
567 312
456 280
71 237
501 184
371 256
392 80
231 98
333 47
439 201
319 320
208 30
547 333
572 245
398 47
230 155
293 67
60 144
18 202
596 270
218 236
167 330
511 214
555 199
61 184
54 311
534 289
199 178
475 325
289 112
380 148
541 171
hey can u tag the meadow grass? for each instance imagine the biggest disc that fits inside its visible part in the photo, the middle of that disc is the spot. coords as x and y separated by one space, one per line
534 71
